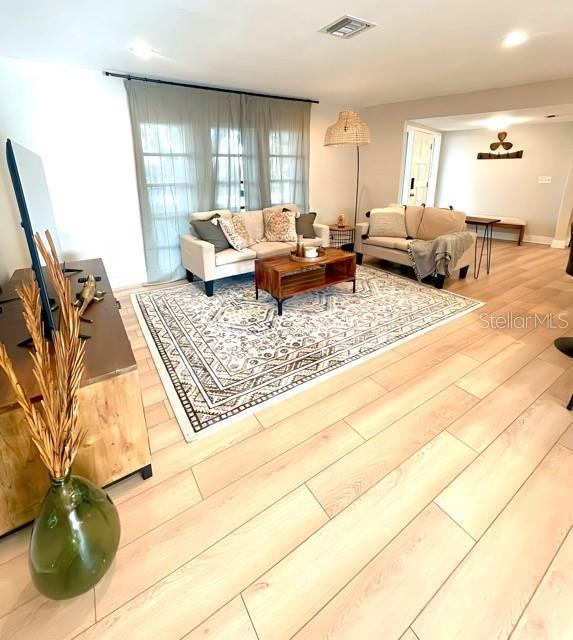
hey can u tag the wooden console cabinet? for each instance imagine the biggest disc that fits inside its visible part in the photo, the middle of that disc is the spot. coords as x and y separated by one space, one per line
111 409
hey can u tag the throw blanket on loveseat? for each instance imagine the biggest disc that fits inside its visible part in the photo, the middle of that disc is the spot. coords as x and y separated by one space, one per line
434 256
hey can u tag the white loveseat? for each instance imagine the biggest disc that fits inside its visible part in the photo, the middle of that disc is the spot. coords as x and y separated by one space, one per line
200 259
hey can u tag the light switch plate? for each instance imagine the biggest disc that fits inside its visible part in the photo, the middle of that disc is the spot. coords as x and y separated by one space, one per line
544 180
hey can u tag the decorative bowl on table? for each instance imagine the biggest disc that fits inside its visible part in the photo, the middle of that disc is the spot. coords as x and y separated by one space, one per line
320 253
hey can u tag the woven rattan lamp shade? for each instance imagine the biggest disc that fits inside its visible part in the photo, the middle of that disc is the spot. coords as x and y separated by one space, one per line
347 131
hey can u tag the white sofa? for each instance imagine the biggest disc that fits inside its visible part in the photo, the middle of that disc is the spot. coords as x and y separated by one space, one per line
421 222
200 259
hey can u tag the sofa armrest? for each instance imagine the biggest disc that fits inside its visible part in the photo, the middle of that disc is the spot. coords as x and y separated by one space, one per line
198 257
467 258
361 229
323 232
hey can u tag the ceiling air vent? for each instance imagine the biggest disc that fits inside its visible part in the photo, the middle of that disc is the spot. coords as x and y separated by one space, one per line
347 27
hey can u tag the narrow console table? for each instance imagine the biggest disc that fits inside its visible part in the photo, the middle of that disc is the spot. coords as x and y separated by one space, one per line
111 410
487 240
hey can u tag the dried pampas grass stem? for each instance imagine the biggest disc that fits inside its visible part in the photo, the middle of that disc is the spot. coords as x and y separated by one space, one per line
58 368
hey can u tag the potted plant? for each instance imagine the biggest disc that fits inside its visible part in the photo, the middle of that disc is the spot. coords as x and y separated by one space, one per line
76 533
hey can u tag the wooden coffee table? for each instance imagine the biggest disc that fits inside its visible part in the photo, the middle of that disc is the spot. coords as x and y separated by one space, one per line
284 278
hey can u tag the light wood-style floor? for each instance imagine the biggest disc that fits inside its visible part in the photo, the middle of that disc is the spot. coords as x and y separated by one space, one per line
424 494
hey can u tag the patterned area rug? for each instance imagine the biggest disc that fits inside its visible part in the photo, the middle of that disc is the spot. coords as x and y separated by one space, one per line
223 356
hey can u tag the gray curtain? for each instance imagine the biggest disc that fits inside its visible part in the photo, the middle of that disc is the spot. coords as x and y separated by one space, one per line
275 136
197 150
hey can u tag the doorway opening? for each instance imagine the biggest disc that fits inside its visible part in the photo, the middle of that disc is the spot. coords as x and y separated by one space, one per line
420 166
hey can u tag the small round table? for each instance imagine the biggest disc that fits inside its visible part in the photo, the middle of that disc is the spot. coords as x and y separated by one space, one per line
342 237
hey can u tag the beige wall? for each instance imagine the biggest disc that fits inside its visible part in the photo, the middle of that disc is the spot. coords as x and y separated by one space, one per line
332 178
383 159
508 187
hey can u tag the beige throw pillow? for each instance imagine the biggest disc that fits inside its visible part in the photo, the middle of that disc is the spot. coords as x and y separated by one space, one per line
438 222
292 207
280 226
253 221
235 232
387 222
413 218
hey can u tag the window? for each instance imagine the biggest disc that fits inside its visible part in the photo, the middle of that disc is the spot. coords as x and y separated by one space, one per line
197 150
282 167
167 169
168 162
166 165
228 168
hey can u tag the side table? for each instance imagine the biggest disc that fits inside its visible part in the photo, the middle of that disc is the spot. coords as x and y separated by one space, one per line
487 224
342 237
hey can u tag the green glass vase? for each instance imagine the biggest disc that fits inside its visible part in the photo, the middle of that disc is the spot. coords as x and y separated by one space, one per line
74 538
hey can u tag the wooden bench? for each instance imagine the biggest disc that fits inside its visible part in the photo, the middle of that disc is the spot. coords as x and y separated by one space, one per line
510 223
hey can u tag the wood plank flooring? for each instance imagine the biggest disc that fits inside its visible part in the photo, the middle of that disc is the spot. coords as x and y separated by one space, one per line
425 494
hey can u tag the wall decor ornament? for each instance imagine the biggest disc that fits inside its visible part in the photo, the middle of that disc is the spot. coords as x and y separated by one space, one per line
503 143
76 533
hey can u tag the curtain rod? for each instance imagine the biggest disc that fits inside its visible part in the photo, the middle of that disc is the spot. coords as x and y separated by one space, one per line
198 86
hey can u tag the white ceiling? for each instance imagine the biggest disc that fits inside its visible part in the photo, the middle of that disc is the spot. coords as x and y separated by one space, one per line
421 48
495 120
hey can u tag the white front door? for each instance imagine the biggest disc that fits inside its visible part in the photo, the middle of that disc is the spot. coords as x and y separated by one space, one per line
420 167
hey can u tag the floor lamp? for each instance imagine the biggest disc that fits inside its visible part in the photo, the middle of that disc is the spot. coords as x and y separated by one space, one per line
349 131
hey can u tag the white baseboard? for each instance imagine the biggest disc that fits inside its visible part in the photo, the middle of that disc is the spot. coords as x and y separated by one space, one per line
558 244
537 239
511 235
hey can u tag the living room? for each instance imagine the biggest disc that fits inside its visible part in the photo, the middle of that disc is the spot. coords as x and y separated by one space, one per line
292 360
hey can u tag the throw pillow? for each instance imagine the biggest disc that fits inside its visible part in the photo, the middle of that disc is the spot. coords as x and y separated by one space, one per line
280 225
387 222
304 225
207 215
283 207
438 222
290 207
253 221
211 232
235 232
